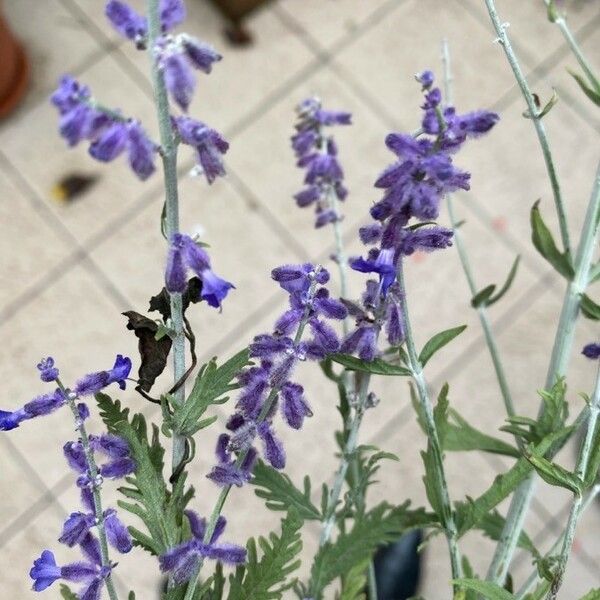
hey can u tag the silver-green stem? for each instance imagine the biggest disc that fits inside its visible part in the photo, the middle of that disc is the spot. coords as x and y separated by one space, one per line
447 516
561 352
576 507
169 160
466 266
94 476
218 507
535 575
540 129
562 24
347 456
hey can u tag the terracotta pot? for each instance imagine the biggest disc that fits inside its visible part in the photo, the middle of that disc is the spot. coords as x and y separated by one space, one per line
14 69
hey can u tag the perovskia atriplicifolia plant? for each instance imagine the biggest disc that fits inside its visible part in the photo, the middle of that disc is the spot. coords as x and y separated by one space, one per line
354 340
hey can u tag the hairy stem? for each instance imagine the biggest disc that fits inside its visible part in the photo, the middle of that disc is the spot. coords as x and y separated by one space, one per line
94 476
447 516
347 456
535 575
563 343
171 211
466 266
540 129
576 507
218 507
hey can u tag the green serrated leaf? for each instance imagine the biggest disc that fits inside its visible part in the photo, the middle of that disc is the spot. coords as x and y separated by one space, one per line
462 436
440 413
153 502
438 341
487 588
589 308
380 524
545 245
592 92
430 480
354 583
468 514
266 578
66 592
212 384
556 475
277 489
375 367
492 525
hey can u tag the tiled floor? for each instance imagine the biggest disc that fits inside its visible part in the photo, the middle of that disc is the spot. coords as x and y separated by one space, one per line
67 271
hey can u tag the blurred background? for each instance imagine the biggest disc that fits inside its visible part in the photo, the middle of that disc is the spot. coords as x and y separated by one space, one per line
70 267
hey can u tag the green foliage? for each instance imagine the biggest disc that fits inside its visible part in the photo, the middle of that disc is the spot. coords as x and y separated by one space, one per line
265 578
354 583
159 508
456 434
379 525
470 513
66 592
430 480
589 308
375 367
556 475
589 477
592 595
438 341
492 525
545 245
540 591
486 588
486 296
590 88
210 387
553 417
277 489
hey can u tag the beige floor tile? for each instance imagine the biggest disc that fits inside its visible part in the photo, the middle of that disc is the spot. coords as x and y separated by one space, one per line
246 76
330 21
30 247
36 24
479 78
117 186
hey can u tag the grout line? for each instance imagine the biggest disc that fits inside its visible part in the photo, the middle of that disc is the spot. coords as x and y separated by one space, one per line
61 230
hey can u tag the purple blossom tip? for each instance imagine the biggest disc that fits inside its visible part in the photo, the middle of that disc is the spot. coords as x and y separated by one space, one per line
95 382
591 351
48 372
172 13
44 571
126 21
425 78
11 420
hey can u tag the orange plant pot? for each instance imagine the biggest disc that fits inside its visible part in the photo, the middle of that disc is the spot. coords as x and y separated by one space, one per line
14 70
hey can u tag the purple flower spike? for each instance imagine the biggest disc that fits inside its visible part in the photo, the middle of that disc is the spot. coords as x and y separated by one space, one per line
11 420
201 55
48 372
294 406
117 533
94 382
126 21
274 452
172 13
181 561
110 144
45 404
591 351
44 571
179 79
185 253
141 151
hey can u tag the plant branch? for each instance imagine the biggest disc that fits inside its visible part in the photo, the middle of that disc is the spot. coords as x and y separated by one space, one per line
171 213
447 516
95 483
576 507
540 129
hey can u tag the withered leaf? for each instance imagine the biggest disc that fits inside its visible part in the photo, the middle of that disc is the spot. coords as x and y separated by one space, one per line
153 353
162 303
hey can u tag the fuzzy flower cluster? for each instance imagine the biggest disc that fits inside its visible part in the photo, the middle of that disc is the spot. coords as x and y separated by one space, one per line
177 58
79 526
110 133
182 561
47 403
413 187
267 386
317 154
186 255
